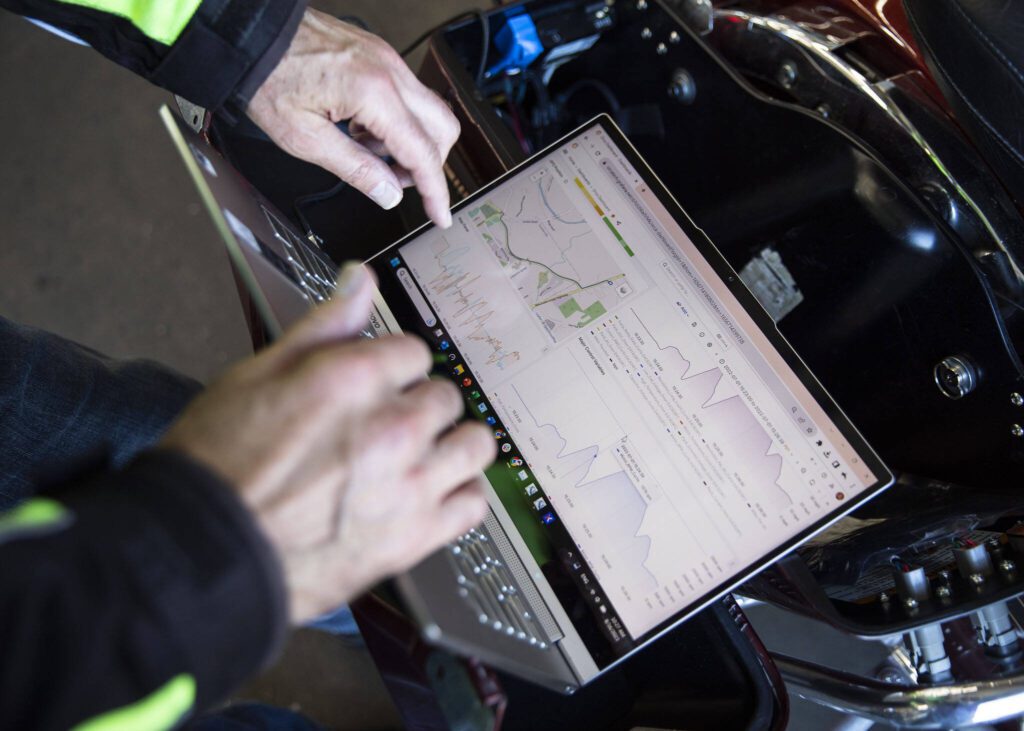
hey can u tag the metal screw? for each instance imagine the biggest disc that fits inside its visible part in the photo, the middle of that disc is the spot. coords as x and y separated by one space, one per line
910 603
976 579
674 37
942 592
1007 566
662 49
825 110
788 74
1016 399
883 597
1016 430
641 4
945 575
646 33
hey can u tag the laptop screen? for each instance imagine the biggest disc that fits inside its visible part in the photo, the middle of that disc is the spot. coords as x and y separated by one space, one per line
658 439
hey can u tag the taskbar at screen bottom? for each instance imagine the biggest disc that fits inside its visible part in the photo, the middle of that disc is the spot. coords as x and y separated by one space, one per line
511 476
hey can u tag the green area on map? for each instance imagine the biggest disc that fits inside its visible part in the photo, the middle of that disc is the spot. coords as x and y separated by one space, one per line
570 307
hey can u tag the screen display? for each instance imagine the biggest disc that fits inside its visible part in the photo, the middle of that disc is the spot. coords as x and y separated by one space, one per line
653 441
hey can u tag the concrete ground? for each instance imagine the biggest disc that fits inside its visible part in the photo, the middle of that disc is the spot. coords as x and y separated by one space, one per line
104 241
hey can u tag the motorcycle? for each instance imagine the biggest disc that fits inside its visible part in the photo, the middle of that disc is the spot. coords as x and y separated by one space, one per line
859 165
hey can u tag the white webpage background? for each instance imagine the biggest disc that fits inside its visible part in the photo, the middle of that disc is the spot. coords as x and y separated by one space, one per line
667 458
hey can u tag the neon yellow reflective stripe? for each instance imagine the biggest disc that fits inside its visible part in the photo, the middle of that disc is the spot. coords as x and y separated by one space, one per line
32 514
161 20
159 711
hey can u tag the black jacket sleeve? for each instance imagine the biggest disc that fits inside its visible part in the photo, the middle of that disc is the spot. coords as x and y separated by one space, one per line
215 53
133 599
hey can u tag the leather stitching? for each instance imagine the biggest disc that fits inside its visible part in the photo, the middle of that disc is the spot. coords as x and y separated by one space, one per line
988 42
1014 153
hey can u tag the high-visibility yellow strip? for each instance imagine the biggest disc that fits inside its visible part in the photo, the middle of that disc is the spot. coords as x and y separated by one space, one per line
32 514
589 197
161 20
159 711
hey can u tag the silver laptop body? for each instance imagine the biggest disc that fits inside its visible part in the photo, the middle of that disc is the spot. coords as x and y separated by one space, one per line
564 619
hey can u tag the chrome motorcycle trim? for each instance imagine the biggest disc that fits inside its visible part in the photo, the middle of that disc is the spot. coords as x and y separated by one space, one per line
934 707
821 48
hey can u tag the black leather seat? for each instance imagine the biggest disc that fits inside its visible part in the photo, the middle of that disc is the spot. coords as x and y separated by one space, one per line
975 49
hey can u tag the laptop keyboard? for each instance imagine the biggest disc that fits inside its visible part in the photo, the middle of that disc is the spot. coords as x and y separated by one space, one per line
315 277
485 583
487 586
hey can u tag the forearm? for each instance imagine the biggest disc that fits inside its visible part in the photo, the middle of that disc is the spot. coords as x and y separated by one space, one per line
215 53
62 404
148 591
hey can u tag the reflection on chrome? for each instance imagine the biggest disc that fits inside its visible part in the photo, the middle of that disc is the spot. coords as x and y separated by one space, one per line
934 707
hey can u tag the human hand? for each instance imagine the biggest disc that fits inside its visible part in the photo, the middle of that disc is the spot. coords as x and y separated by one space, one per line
334 71
342 450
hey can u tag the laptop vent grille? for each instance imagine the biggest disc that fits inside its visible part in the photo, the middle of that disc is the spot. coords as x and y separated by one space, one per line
523 579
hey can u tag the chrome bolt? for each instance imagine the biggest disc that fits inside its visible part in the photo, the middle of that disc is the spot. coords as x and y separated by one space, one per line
646 34
641 4
910 603
976 579
945 575
1007 566
942 592
883 597
1016 399
1017 431
682 87
662 49
788 75
825 110
955 377
674 37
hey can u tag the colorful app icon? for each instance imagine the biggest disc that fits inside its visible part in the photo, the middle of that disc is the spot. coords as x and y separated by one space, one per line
523 475
506 447
458 370
467 382
482 408
474 395
491 420
531 490
547 518
444 345
396 261
515 462
539 504
499 434
439 333
451 357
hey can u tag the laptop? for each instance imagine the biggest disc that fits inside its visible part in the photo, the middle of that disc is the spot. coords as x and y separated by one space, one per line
660 442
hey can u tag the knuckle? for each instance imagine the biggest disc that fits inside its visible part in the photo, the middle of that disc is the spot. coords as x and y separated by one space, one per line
445 397
357 366
362 174
417 351
400 429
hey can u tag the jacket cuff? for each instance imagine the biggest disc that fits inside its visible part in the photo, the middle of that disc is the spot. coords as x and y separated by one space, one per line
199 558
228 50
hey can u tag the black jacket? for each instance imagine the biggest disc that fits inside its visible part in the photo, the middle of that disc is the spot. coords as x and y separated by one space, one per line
131 598
215 53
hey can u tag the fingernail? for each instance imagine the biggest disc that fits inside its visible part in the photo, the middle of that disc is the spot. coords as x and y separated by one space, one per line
350 279
446 219
386 195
